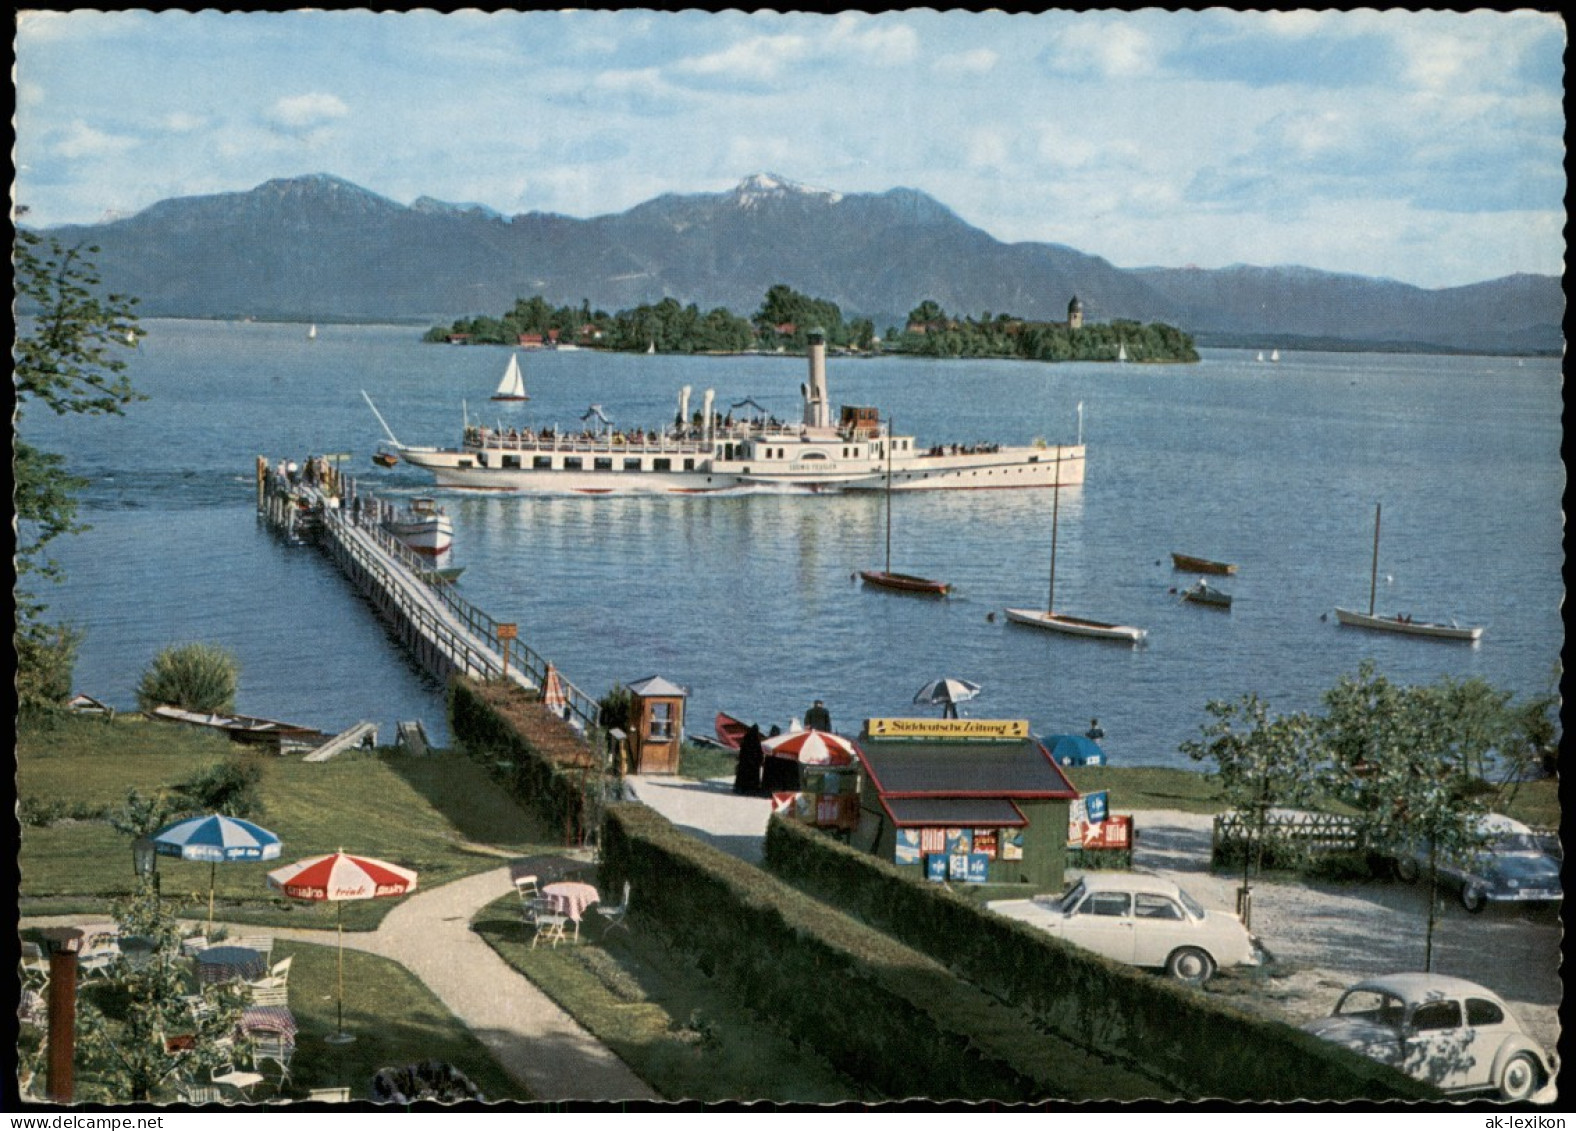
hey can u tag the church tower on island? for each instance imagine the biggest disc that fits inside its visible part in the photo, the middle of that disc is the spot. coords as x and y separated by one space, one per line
1075 314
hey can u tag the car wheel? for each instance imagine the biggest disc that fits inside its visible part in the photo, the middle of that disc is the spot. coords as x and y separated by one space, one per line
1190 965
1406 870
1473 898
1519 1078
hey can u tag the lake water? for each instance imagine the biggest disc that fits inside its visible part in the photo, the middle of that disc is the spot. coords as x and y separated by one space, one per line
748 600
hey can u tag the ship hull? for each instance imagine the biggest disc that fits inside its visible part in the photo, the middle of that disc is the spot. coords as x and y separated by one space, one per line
1075 626
1408 627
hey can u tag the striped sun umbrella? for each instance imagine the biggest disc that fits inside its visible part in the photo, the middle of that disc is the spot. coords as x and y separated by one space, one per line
553 695
335 879
811 748
217 839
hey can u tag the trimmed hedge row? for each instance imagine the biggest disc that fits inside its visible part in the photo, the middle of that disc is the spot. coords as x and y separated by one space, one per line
1182 1036
885 1014
528 749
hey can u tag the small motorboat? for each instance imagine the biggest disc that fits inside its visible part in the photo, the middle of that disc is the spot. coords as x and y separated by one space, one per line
1202 592
385 457
423 526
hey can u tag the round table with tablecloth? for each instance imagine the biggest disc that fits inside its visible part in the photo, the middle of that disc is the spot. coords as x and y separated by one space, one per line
229 964
570 898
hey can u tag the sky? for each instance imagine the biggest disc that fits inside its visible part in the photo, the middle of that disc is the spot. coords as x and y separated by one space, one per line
1426 147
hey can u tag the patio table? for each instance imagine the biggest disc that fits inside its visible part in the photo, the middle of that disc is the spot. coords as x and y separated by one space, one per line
571 899
230 963
269 1019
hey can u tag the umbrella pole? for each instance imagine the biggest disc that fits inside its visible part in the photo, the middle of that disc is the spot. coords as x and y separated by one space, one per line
341 1037
213 869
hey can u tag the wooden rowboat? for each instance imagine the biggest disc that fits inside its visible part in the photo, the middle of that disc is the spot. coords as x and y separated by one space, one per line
905 582
730 731
1075 626
1200 565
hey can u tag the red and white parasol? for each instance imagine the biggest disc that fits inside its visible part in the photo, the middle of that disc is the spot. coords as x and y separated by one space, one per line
336 879
811 748
553 695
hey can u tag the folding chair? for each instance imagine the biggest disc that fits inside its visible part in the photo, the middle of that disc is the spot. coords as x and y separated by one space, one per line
618 915
228 1075
197 1094
35 967
549 923
274 1047
526 886
263 994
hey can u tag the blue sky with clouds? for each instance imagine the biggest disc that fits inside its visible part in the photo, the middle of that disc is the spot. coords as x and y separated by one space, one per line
1421 146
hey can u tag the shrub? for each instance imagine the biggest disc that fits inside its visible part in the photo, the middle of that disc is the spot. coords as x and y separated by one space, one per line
196 677
46 657
228 787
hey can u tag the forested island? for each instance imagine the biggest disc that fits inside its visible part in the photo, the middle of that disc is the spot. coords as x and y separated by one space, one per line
785 316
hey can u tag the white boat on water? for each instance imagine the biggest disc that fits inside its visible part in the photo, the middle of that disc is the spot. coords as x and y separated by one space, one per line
1049 618
422 525
512 387
311 332
1274 355
1400 623
712 453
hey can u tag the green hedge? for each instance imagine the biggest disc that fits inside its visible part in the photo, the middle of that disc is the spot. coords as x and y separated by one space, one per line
1196 1043
529 751
885 1014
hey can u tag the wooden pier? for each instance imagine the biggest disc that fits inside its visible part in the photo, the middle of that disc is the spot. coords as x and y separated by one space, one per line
445 633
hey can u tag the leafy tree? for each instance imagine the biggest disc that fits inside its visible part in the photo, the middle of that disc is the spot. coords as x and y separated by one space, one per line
1261 763
125 1020
63 359
197 677
927 312
1405 757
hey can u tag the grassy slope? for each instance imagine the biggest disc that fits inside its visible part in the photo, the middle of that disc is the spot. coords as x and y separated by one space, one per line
427 814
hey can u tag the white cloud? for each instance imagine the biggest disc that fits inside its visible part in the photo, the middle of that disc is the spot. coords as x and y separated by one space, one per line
82 140
760 57
1109 48
306 111
879 43
977 62
183 122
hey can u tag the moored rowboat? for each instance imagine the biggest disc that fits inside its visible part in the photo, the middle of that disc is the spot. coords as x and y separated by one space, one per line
1408 626
1075 626
905 582
1201 565
1203 593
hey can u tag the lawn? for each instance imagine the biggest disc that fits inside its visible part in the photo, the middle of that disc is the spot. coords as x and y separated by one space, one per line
440 815
681 1032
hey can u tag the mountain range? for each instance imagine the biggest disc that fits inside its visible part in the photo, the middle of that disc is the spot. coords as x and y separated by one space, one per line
320 248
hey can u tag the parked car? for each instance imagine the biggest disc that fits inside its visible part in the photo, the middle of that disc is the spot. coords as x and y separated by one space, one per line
1140 919
1515 865
1445 1031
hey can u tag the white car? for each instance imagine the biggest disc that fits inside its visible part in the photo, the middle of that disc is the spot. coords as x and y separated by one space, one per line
1143 920
1448 1032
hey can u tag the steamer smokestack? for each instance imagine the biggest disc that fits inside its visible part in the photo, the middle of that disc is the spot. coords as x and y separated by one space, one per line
817 412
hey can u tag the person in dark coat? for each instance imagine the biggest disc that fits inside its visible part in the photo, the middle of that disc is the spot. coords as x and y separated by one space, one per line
818 717
747 777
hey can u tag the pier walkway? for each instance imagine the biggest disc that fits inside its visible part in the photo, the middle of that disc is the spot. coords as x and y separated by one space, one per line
445 633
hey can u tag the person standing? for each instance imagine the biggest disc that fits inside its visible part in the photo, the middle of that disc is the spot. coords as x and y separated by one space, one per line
747 777
818 717
1094 733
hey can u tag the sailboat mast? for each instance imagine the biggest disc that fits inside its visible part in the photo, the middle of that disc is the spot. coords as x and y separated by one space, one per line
1373 576
1056 504
889 496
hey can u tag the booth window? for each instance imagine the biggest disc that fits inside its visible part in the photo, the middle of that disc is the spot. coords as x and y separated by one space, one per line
661 722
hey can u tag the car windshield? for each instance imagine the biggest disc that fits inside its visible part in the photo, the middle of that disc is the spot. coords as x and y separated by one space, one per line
1371 1005
1526 867
1194 908
1065 902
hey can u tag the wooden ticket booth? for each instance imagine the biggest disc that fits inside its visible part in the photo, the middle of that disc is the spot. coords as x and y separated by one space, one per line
656 725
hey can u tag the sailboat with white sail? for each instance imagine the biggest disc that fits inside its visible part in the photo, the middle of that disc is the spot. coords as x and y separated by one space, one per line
1061 622
311 332
512 387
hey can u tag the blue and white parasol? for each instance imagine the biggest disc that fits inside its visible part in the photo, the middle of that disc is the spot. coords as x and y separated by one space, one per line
217 839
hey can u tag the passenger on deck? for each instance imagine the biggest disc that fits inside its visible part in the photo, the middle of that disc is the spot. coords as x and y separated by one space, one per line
747 776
